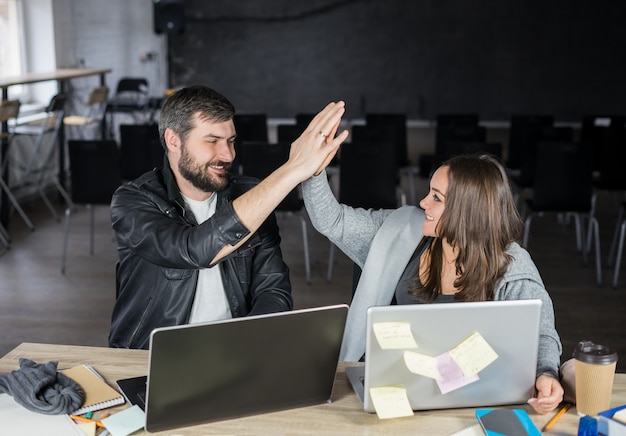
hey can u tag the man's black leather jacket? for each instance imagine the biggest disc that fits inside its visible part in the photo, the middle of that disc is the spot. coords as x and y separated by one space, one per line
161 248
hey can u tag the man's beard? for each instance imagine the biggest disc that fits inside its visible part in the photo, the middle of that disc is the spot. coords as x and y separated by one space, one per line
199 174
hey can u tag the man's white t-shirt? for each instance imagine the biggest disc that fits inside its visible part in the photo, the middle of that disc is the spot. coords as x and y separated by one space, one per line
209 303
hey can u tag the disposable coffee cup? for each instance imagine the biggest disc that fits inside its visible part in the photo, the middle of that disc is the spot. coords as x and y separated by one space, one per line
594 366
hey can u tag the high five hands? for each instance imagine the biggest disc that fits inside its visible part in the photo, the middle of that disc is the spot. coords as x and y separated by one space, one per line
317 145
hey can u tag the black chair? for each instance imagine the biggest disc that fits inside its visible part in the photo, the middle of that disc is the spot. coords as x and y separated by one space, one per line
262 158
601 131
289 132
140 149
446 123
131 98
304 118
94 175
524 130
455 128
457 135
617 243
396 123
385 139
457 119
249 127
611 178
368 178
525 179
563 185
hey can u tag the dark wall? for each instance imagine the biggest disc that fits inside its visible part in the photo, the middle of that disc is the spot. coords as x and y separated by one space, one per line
422 57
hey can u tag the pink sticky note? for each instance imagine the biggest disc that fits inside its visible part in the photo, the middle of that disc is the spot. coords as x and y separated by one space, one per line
452 376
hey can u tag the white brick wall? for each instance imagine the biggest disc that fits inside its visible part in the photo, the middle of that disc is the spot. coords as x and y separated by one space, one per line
113 34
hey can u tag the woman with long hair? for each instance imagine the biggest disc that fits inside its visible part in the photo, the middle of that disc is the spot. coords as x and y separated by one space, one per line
462 244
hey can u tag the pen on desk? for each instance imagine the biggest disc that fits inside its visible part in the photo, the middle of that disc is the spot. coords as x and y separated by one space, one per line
556 417
83 419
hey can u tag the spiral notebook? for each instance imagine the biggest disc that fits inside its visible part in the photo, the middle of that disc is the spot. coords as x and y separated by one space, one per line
98 394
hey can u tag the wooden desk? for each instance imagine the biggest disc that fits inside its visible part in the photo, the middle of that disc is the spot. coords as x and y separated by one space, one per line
61 76
343 416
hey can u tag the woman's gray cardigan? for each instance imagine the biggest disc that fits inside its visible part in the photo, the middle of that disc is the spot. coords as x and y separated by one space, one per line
381 242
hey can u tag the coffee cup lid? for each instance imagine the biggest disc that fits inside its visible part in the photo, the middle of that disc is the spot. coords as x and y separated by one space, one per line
588 352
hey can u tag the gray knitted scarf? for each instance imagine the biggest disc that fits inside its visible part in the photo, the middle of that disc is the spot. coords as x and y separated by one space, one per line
40 388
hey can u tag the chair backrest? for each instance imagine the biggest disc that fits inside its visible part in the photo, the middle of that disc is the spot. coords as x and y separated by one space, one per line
395 122
249 127
524 130
57 103
447 123
563 177
262 158
385 135
132 84
97 103
458 148
94 170
609 159
457 120
450 134
529 158
131 93
140 149
601 132
368 174
55 111
288 132
98 95
304 118
9 110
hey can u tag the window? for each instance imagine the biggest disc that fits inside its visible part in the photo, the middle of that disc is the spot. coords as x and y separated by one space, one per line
11 62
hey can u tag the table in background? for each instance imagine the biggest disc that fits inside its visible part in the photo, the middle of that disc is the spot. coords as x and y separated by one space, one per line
61 76
344 415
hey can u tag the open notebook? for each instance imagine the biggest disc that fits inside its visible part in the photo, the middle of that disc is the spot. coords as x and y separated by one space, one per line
208 372
442 331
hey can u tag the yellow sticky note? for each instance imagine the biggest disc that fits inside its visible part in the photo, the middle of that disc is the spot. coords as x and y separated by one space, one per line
473 354
422 364
391 402
89 428
394 335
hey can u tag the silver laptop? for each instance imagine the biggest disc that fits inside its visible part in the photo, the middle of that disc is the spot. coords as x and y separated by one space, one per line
510 328
208 372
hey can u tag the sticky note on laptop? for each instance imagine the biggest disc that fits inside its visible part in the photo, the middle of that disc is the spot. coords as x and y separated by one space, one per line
391 402
422 364
473 354
394 335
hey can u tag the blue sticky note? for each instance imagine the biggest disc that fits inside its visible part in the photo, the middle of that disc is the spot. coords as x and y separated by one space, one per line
125 422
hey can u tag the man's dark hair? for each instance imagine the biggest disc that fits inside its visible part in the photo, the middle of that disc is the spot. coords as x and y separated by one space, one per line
179 109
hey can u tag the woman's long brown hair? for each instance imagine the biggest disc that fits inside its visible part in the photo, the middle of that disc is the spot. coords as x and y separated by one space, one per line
480 220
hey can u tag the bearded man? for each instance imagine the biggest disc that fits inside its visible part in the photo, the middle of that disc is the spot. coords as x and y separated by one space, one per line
195 242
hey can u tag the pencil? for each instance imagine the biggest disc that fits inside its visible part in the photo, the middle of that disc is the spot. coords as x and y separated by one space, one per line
556 417
83 419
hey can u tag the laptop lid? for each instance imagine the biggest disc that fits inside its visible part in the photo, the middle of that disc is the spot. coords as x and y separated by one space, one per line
510 328
200 373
